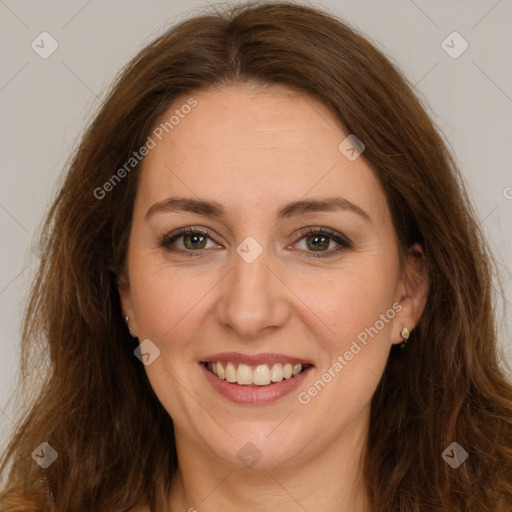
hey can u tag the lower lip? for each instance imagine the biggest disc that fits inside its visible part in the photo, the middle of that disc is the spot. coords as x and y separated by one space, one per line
255 395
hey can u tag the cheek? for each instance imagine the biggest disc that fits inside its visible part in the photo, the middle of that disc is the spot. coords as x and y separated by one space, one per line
346 306
167 302
354 334
169 305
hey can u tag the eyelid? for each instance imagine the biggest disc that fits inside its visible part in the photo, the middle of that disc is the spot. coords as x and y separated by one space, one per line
313 230
170 238
343 242
340 239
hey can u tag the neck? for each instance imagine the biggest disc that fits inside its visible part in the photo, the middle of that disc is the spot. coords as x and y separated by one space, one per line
330 481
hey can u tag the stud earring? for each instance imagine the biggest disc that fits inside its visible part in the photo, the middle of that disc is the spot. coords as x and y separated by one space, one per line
126 320
405 335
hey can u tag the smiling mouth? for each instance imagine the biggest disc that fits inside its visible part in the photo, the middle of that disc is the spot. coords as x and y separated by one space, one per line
258 376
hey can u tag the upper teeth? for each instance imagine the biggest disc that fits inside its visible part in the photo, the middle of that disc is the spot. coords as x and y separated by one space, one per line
260 375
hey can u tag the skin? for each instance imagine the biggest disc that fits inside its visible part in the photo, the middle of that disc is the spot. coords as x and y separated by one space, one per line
254 150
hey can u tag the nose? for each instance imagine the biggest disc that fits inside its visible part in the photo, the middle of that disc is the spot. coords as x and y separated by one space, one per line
253 302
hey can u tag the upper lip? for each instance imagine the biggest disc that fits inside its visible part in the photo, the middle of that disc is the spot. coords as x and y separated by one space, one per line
255 359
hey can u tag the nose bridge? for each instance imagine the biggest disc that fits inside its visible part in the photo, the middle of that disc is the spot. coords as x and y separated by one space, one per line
253 299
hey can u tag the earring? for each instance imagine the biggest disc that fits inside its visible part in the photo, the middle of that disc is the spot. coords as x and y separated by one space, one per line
126 320
405 335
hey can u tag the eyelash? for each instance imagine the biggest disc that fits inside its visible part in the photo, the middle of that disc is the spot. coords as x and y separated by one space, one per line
343 243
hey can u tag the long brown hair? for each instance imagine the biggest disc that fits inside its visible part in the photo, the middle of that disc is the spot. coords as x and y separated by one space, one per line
96 407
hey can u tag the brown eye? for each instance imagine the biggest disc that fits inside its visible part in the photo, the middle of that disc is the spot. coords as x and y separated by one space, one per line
196 241
320 242
190 242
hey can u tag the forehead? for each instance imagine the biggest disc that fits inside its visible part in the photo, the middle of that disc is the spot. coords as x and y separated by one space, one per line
254 145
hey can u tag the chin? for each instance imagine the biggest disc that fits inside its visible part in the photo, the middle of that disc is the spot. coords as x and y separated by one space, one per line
254 447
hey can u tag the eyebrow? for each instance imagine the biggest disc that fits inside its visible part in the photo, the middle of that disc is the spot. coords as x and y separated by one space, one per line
215 209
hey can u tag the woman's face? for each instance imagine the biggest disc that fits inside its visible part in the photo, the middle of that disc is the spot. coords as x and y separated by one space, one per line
259 244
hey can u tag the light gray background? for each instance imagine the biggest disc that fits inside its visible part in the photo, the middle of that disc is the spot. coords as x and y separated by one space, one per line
46 103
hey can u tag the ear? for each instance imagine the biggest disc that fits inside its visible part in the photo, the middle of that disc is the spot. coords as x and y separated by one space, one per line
125 294
412 292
